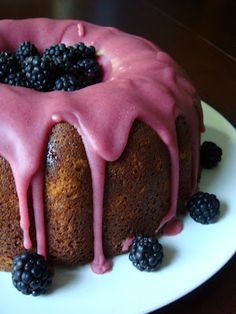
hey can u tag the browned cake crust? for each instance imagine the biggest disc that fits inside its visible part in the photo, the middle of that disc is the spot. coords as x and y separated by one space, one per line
137 194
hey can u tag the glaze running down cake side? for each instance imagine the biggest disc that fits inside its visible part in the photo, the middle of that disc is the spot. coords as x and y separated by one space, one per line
122 155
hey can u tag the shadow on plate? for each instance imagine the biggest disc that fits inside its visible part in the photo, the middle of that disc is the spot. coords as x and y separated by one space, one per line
64 276
169 255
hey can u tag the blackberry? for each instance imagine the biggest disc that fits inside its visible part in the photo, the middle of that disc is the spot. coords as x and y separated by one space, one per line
38 73
60 56
8 65
81 51
204 207
16 79
66 82
54 51
210 155
89 72
26 49
30 273
146 253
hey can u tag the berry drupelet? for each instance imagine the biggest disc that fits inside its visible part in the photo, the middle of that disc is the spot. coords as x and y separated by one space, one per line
146 253
204 207
30 273
210 155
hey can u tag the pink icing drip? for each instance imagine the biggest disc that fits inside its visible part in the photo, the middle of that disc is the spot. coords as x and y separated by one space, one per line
126 244
103 113
173 227
99 265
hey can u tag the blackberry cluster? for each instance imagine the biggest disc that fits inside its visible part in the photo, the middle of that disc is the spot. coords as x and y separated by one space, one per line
146 253
210 155
204 207
60 67
30 273
75 66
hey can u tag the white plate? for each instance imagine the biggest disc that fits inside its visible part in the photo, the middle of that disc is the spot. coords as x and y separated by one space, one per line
191 257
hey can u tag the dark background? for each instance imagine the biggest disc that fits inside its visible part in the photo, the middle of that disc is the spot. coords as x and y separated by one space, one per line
201 36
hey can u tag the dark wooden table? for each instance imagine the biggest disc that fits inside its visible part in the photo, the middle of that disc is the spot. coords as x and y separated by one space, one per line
200 35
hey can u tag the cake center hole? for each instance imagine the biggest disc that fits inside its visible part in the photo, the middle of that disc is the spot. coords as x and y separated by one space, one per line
58 67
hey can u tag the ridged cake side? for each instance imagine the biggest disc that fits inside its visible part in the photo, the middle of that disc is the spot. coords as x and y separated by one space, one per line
137 190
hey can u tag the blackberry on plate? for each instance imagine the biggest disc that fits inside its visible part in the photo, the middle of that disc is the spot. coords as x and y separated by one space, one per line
8 65
66 82
26 49
210 155
30 273
146 253
204 207
38 73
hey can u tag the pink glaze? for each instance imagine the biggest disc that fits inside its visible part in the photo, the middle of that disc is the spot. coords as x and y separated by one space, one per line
140 82
126 244
173 227
81 30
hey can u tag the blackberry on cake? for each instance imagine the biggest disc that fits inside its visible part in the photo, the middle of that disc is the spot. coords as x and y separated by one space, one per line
204 207
66 82
89 72
26 49
37 73
8 65
81 51
60 56
16 79
60 67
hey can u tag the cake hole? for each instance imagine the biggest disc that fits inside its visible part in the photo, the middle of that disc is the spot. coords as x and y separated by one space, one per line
58 67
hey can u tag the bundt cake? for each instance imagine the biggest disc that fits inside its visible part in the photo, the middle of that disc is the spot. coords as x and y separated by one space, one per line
83 172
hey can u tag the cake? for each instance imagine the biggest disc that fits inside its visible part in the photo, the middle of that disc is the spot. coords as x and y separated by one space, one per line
83 173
